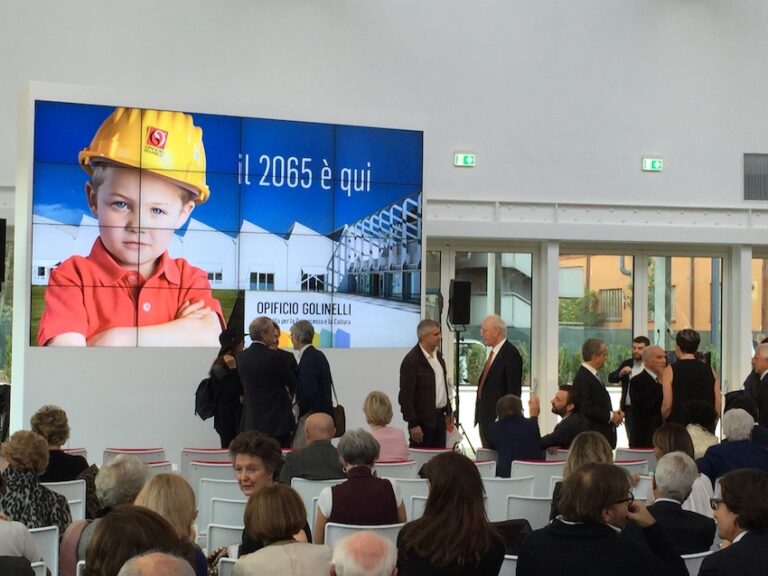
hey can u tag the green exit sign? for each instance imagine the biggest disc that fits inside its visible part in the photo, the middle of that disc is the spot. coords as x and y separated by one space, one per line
653 164
464 160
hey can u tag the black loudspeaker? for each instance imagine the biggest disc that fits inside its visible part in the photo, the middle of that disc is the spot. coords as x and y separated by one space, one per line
458 301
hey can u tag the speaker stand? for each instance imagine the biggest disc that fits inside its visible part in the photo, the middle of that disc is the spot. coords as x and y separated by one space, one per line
456 379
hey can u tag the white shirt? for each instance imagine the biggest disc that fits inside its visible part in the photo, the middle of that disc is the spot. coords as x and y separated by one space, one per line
637 367
441 397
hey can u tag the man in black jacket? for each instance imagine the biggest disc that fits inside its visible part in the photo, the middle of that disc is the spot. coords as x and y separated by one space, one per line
627 370
566 403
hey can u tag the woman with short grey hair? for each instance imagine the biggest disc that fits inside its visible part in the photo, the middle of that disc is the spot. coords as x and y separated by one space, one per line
363 499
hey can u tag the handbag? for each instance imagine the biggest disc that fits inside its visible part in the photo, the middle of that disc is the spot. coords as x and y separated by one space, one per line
339 416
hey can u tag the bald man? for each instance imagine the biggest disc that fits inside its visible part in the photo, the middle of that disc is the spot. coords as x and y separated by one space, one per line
363 554
646 395
156 564
319 460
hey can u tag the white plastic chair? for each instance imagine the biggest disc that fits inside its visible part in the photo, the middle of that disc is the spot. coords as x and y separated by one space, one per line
633 466
144 454
552 481
210 489
497 490
189 455
309 489
71 490
643 488
509 566
227 566
410 488
80 568
418 503
162 467
227 512
487 468
404 469
38 568
535 509
219 535
638 454
210 470
424 455
486 454
335 532
559 455
693 561
76 509
47 540
541 471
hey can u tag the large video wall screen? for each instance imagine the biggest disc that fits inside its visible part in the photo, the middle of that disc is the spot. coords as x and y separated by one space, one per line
147 224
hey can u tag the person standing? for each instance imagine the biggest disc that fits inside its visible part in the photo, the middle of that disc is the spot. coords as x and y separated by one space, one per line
501 375
424 398
228 390
760 389
268 385
646 394
596 402
627 370
313 390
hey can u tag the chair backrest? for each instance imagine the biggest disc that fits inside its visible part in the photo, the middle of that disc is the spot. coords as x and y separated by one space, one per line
404 469
487 468
219 535
558 455
309 489
76 451
497 490
638 454
693 561
161 467
76 509
227 512
535 509
508 566
552 481
335 532
47 540
633 466
80 568
144 454
71 490
38 568
410 488
211 470
189 455
418 503
210 489
541 471
423 455
486 454
227 566
643 488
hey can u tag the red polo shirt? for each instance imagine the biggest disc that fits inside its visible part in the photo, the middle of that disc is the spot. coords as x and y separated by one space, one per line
88 295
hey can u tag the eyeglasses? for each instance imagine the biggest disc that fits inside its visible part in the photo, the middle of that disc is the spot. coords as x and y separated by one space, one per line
629 500
715 502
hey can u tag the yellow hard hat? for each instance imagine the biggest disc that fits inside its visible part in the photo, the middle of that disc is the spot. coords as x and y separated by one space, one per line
165 143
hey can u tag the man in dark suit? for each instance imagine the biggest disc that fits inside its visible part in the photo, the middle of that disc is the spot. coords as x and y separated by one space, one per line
424 397
596 403
320 459
502 373
313 390
738 452
760 388
741 513
690 532
627 370
566 404
268 385
513 436
646 395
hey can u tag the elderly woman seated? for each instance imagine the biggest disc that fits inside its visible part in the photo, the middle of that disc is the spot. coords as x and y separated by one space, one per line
51 423
363 498
24 498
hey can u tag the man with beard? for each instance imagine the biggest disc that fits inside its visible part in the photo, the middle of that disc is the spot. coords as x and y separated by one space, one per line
566 404
627 370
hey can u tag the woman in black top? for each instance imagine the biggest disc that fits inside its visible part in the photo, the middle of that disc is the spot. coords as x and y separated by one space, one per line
51 423
453 537
227 387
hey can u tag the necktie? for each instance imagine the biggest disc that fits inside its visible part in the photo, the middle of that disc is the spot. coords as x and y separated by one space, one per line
484 374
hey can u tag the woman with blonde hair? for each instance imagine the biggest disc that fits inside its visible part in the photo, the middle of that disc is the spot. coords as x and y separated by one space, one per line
378 413
173 498
587 447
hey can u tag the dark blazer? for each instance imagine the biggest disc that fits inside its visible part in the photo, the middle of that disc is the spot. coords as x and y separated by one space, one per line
505 376
744 558
313 391
268 385
760 396
514 438
63 467
690 532
731 455
565 431
596 404
317 461
417 389
614 377
646 395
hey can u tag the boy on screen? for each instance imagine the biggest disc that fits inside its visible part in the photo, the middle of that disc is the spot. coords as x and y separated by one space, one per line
147 171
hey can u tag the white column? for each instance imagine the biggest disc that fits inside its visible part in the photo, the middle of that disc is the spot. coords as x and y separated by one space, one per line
737 318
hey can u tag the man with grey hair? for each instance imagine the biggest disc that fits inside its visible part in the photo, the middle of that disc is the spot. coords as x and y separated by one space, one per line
364 554
156 564
501 375
646 395
672 483
424 396
738 452
759 390
268 385
315 383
